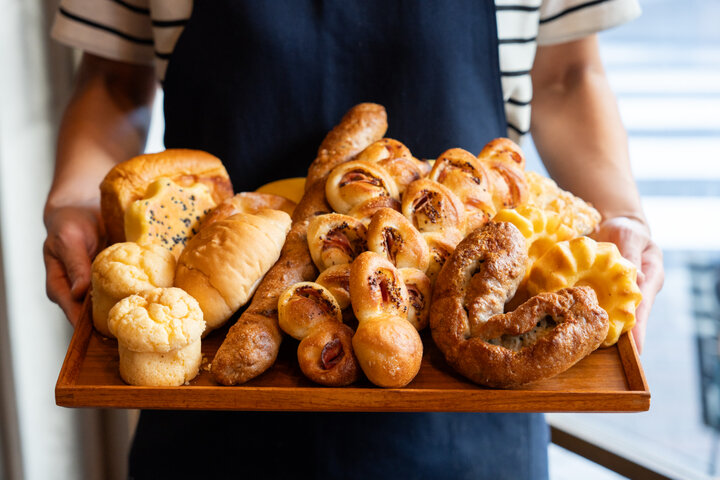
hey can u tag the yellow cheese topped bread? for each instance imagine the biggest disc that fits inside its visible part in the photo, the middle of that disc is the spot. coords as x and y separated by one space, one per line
168 215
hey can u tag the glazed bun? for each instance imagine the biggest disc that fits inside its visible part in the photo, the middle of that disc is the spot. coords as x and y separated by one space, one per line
223 264
129 180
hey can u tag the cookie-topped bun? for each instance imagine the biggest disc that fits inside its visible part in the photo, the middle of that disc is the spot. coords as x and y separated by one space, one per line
158 336
124 269
128 181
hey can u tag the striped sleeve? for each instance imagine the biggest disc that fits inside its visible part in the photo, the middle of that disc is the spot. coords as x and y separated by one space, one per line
114 29
567 20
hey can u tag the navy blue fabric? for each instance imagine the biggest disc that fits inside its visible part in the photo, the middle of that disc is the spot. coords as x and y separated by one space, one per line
326 446
259 84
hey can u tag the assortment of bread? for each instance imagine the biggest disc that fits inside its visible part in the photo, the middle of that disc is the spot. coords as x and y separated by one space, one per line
378 245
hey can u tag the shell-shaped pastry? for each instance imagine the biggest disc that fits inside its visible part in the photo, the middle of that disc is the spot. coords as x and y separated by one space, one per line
367 209
573 211
396 159
337 280
419 290
351 183
392 235
305 305
462 172
505 164
542 230
432 207
583 261
335 239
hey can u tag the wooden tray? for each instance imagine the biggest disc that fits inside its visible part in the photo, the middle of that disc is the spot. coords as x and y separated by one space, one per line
609 380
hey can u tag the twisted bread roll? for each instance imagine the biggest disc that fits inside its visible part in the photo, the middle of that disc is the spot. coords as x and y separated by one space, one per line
129 180
419 290
335 239
308 312
397 160
387 346
352 183
337 280
362 125
365 210
252 344
462 172
543 337
432 207
440 250
248 202
505 164
392 235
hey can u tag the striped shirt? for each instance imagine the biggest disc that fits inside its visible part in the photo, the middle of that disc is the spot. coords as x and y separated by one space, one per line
145 32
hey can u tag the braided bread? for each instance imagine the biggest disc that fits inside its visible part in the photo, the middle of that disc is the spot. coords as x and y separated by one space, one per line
543 337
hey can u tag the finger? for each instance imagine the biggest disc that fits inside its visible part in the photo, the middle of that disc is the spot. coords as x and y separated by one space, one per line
58 289
70 248
650 285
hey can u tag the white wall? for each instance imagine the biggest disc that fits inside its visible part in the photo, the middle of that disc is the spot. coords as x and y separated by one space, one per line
39 333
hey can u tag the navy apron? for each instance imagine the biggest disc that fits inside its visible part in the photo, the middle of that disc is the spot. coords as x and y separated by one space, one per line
259 84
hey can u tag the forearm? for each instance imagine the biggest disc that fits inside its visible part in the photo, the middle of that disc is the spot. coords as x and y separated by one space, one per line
578 133
105 122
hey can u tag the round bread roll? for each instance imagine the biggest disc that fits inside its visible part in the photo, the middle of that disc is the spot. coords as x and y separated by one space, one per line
158 336
125 269
129 180
352 183
223 264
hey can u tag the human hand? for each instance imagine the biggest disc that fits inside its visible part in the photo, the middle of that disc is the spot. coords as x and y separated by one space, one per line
632 238
74 235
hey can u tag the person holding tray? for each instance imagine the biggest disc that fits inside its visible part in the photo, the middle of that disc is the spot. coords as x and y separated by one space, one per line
259 84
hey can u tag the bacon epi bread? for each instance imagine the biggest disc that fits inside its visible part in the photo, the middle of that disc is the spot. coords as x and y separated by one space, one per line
252 344
544 336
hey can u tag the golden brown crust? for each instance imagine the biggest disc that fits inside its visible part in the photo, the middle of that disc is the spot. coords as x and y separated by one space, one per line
419 290
543 337
367 209
386 344
353 183
505 164
396 159
248 202
432 207
392 235
335 239
128 181
465 175
305 305
360 126
326 355
337 280
252 344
